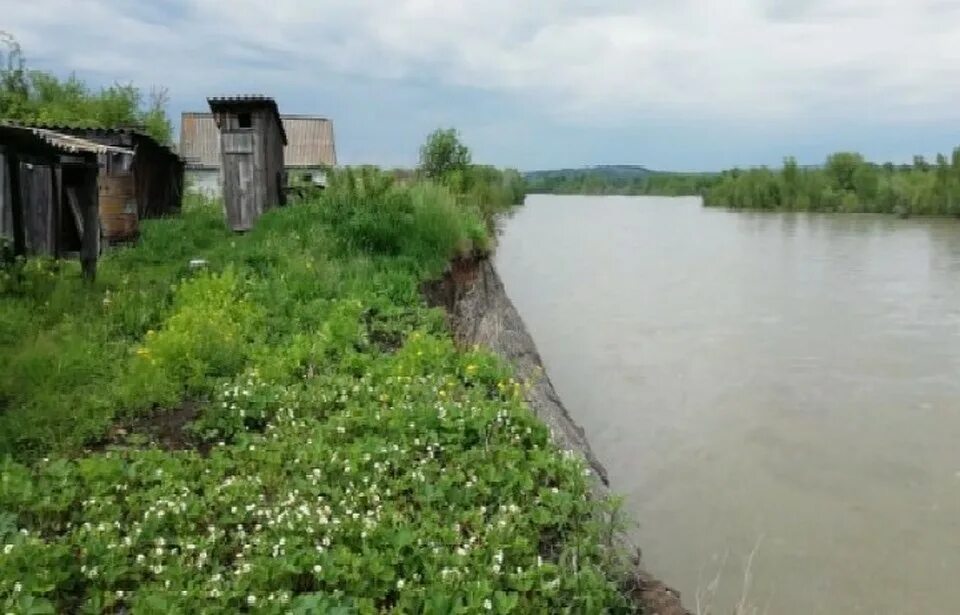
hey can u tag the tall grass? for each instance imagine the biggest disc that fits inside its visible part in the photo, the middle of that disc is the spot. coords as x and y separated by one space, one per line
150 330
344 456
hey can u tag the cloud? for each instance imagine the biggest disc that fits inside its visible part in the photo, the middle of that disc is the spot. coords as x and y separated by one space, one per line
777 61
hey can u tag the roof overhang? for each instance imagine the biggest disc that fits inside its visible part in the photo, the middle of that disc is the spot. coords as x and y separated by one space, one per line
247 101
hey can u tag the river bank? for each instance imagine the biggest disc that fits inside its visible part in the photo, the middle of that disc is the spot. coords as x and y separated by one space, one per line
286 427
480 313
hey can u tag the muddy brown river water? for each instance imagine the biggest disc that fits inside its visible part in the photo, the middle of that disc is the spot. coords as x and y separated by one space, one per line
776 383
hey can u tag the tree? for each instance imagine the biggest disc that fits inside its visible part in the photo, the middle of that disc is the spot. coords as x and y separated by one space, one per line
791 180
866 183
33 96
13 78
443 154
155 119
841 167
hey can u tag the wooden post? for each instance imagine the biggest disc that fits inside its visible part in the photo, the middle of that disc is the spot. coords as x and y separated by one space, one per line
56 202
89 205
16 203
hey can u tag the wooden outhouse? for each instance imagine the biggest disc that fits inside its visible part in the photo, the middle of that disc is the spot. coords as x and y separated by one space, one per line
252 139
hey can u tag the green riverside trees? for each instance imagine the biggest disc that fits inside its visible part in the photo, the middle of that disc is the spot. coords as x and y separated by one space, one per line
845 183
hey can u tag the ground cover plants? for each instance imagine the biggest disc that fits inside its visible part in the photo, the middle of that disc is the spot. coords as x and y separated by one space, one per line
332 452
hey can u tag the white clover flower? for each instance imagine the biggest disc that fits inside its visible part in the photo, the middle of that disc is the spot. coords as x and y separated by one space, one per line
317 569
17 587
120 594
251 600
488 605
7 548
400 583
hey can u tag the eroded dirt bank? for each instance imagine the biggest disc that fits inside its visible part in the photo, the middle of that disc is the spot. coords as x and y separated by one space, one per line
480 312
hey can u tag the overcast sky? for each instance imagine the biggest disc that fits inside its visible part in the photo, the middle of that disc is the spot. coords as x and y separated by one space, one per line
670 84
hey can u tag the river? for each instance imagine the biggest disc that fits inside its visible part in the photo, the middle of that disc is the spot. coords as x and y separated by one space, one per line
781 384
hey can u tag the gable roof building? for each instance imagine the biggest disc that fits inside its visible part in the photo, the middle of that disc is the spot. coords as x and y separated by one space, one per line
309 150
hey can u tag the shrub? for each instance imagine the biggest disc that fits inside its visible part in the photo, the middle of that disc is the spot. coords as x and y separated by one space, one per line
207 335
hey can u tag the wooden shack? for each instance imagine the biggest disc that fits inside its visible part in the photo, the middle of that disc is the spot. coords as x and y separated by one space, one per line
252 139
49 192
152 187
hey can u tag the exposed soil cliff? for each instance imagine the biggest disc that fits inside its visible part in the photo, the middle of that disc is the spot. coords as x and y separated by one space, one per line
481 313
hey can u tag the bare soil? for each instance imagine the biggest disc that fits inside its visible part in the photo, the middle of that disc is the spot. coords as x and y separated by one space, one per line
164 428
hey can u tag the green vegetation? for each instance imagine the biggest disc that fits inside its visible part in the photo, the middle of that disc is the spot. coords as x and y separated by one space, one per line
443 154
846 183
338 455
624 180
445 159
33 96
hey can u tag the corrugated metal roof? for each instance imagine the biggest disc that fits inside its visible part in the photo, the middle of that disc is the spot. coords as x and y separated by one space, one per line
310 141
241 98
78 129
66 143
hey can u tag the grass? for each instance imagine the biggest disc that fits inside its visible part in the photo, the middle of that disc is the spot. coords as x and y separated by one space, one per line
344 456
705 596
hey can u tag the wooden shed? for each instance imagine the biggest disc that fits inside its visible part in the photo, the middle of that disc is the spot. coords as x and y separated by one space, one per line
151 186
252 139
49 192
157 169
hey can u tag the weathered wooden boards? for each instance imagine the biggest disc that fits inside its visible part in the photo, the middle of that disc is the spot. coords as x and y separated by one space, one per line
252 139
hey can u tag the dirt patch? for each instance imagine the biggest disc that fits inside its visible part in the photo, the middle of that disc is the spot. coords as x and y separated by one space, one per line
382 333
654 597
164 428
480 312
460 276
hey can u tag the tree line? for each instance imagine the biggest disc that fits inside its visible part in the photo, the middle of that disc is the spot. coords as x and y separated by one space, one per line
601 182
39 97
846 182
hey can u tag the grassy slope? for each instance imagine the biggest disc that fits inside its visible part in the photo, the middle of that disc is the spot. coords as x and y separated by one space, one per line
354 458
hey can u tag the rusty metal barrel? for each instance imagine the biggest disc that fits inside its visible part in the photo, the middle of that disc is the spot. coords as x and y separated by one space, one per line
118 207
